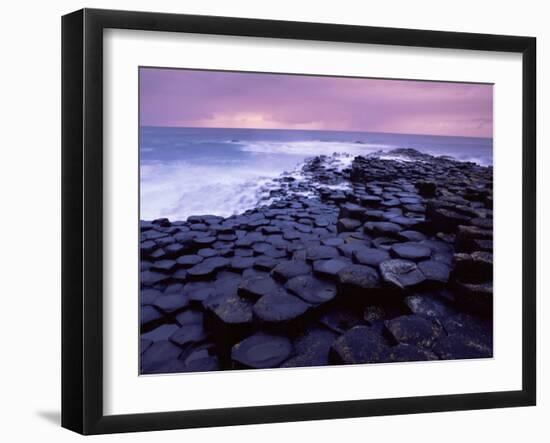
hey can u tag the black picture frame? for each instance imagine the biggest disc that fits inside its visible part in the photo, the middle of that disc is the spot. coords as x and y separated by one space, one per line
82 215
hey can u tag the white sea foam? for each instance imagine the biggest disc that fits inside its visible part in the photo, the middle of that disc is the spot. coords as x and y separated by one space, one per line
180 189
313 148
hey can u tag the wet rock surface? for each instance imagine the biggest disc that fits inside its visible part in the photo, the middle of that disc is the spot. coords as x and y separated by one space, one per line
381 261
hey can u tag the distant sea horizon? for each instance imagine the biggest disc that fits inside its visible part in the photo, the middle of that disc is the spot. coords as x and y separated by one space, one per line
223 171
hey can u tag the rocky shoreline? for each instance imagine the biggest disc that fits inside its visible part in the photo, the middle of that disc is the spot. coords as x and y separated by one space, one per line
374 260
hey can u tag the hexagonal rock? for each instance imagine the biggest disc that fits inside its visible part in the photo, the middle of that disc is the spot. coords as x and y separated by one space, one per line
475 297
330 268
469 237
163 265
361 344
414 330
200 360
473 268
435 271
265 263
189 333
352 211
311 348
370 256
401 273
230 309
411 251
340 320
148 314
158 357
359 277
258 286
150 278
239 264
383 228
311 289
279 308
147 296
404 352
187 261
261 351
161 332
288 269
348 224
321 252
462 347
207 268
430 305
169 303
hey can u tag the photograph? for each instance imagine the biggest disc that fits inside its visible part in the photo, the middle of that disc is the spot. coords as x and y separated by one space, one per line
306 220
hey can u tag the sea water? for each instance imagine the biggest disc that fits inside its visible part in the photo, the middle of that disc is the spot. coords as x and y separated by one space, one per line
193 171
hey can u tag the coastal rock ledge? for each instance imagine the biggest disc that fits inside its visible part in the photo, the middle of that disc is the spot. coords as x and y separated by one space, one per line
385 260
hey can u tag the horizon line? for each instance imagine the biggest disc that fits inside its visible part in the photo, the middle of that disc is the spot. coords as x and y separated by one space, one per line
309 130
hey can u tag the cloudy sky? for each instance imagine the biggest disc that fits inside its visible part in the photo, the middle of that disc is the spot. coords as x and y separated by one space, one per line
188 98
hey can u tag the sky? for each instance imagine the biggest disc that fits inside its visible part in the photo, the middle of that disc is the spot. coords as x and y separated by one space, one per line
220 99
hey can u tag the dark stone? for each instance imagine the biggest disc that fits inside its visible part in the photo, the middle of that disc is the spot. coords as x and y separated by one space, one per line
290 268
414 330
321 252
207 268
311 289
258 286
340 319
230 309
348 224
187 261
455 347
426 189
332 241
190 317
373 314
148 296
198 291
384 243
411 251
430 305
200 360
435 271
370 256
473 268
163 265
447 220
173 250
161 332
330 268
207 252
239 264
359 277
189 333
383 228
404 352
144 344
401 273
361 344
159 357
150 278
475 297
262 350
265 263
279 308
470 238
148 314
171 302
311 348
351 211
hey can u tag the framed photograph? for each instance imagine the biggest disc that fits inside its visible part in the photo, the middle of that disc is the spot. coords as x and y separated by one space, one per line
268 221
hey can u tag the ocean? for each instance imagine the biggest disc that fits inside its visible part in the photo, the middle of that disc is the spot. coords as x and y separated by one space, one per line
219 171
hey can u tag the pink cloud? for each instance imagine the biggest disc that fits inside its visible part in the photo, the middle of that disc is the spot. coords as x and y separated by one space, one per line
174 97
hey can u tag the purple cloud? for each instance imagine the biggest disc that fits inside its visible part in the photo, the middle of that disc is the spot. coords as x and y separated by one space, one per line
177 97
